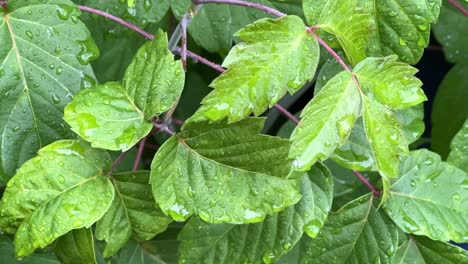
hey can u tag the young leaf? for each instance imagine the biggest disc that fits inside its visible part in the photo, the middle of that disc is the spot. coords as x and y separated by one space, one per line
430 198
62 189
450 109
459 154
275 236
389 82
107 117
450 32
214 26
116 117
385 136
376 28
326 122
420 249
223 173
76 247
275 56
44 58
357 233
133 213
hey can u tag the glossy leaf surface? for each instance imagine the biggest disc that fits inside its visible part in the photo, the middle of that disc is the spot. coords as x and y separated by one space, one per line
62 189
326 122
44 54
430 198
76 247
223 173
275 56
276 235
133 213
459 154
357 233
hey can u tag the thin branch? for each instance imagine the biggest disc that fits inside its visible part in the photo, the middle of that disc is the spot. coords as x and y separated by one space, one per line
198 58
141 146
286 113
3 3
367 183
118 20
459 7
118 161
243 3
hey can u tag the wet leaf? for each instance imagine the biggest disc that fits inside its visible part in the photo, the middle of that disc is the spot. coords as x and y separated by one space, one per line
430 198
76 247
44 60
62 189
459 154
223 173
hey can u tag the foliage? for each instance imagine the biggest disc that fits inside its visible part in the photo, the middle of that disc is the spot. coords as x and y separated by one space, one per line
91 170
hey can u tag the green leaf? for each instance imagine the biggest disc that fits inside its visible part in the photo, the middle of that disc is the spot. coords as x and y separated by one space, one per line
450 109
357 233
62 189
326 122
423 250
223 173
44 58
214 26
450 32
411 122
376 28
107 117
148 252
389 82
133 213
387 141
76 247
459 154
430 198
7 254
116 117
154 80
275 236
275 56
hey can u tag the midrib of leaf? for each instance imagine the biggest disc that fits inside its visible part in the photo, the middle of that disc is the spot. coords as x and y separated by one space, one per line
376 24
403 11
122 201
23 77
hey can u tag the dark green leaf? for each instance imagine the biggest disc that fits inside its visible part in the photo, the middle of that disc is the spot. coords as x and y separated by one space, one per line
44 58
275 56
133 213
430 198
459 154
76 247
148 252
62 189
223 173
422 250
326 122
7 254
450 109
450 31
276 235
357 233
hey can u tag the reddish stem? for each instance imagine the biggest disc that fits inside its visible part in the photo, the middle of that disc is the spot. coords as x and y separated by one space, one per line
242 3
367 183
459 7
118 161
329 49
141 146
286 113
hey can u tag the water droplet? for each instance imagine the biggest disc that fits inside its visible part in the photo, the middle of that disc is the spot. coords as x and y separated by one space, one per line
269 257
402 42
313 228
55 99
29 34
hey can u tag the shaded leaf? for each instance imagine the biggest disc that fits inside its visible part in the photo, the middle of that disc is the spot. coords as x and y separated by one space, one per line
223 173
275 236
116 117
430 198
133 213
214 26
357 233
76 247
154 252
450 32
50 194
459 154
326 122
7 254
450 109
422 250
275 56
44 59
